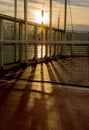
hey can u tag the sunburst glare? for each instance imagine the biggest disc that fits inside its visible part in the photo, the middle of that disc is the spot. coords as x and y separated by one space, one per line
41 19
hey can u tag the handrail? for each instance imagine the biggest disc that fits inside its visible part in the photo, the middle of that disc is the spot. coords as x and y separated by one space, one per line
45 42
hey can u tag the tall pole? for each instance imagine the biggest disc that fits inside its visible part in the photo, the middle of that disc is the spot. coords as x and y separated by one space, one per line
50 24
50 21
15 10
42 24
63 47
15 26
65 18
42 32
15 15
1 44
25 19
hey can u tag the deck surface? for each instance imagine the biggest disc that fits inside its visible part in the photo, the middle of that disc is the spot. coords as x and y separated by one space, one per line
48 96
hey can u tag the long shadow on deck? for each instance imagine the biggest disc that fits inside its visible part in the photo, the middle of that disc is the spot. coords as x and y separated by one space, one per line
29 105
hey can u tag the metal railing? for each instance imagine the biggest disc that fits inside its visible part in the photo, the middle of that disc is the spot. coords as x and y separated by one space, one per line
17 51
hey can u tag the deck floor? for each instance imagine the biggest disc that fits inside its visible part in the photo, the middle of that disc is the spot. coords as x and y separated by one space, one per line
49 96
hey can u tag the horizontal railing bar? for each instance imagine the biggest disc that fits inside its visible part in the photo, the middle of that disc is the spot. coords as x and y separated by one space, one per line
45 42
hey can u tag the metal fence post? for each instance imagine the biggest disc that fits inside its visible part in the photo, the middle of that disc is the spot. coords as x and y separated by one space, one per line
21 44
26 32
35 44
1 44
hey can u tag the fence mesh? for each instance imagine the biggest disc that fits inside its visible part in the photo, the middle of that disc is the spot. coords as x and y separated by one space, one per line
71 67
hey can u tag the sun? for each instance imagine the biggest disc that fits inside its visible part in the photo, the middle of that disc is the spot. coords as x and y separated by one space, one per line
41 19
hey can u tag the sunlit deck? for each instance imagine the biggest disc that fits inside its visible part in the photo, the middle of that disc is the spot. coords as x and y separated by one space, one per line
53 95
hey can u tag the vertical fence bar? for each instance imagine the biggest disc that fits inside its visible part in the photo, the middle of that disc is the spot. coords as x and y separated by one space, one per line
88 43
15 15
50 24
72 45
26 35
35 44
15 8
42 33
1 44
88 50
46 50
65 22
15 26
54 46
62 46
21 44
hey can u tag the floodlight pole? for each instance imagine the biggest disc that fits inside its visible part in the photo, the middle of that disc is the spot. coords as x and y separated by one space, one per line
42 32
63 47
50 21
15 8
65 18
50 24
15 15
25 20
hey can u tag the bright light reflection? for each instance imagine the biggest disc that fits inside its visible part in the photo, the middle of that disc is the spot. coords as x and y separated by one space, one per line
39 19
48 88
39 49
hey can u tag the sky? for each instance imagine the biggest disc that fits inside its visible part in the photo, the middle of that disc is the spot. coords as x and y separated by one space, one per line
77 12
